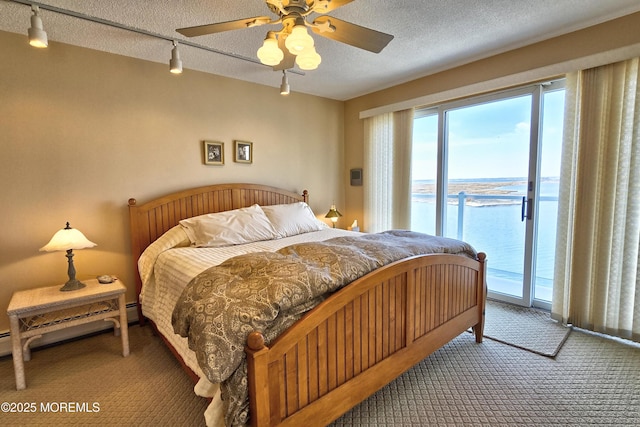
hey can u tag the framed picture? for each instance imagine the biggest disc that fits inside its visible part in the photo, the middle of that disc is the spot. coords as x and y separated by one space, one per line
213 153
243 152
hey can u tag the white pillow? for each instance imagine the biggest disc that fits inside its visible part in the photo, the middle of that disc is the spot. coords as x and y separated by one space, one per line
293 218
175 237
228 228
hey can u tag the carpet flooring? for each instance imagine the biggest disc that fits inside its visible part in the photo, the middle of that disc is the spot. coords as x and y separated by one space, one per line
593 380
147 388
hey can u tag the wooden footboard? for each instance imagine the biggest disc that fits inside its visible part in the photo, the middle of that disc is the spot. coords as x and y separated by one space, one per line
355 342
363 337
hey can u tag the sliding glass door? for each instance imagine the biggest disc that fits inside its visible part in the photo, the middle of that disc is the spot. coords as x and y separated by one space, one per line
487 174
484 171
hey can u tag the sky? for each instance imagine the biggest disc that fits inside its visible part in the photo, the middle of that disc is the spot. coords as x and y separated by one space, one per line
490 140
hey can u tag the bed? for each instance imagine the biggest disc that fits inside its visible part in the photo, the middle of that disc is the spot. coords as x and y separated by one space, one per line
358 339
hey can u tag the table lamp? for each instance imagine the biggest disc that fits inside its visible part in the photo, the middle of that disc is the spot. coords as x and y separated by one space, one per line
333 215
68 239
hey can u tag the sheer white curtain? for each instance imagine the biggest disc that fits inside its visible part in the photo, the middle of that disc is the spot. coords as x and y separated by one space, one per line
597 276
387 162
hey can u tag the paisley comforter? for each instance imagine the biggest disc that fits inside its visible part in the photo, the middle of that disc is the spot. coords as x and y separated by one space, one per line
269 291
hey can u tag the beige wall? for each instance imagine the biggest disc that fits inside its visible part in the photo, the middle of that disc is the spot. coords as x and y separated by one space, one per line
598 45
82 131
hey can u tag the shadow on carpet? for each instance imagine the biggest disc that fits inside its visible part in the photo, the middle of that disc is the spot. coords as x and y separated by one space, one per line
525 328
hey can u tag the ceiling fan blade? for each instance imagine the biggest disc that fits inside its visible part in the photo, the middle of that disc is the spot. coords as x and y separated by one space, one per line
202 30
289 59
351 34
326 6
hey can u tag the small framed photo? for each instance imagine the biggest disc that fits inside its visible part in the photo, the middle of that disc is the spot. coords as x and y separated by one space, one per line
243 152
213 153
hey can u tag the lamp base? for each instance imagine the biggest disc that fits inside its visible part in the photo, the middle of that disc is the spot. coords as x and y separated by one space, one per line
72 285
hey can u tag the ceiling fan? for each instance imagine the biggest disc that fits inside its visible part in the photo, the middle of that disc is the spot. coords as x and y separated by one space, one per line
292 43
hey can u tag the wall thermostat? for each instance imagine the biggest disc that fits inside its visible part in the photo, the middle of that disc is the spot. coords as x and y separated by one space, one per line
356 176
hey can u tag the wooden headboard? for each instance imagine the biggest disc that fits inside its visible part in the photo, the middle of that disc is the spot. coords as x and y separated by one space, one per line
153 218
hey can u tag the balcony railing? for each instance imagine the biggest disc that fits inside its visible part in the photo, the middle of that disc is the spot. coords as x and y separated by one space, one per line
507 261
462 197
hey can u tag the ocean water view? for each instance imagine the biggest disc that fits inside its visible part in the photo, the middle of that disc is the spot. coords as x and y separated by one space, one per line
491 222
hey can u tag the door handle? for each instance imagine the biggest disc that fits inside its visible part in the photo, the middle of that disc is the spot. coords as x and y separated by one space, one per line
525 212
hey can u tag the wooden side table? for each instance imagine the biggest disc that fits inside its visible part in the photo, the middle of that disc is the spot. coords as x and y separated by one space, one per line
35 312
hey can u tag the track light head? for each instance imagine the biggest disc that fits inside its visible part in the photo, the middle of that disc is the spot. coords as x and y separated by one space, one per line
37 35
175 64
284 86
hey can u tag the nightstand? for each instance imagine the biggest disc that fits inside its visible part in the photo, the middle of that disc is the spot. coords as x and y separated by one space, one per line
35 312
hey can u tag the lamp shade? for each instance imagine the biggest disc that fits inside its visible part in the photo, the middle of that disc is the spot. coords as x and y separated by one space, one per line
299 39
333 215
309 59
270 53
67 238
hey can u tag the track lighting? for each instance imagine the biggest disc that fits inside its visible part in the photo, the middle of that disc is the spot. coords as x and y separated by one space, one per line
37 35
284 86
175 64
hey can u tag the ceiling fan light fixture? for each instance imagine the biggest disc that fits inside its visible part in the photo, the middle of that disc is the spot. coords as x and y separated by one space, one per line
309 59
293 44
299 40
37 35
270 53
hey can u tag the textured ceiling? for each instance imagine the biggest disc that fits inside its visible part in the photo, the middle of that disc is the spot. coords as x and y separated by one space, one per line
430 35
